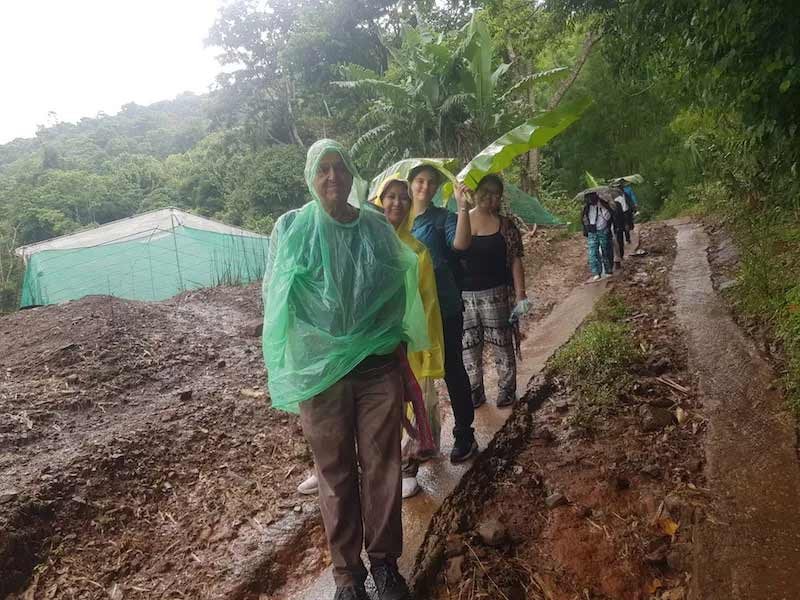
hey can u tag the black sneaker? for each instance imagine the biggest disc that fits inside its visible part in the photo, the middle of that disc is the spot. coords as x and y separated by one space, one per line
463 450
389 584
505 400
353 592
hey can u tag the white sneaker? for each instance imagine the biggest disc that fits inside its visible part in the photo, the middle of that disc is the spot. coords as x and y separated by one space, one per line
410 487
309 487
594 279
607 275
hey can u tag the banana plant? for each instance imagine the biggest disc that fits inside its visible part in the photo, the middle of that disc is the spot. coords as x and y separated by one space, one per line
440 97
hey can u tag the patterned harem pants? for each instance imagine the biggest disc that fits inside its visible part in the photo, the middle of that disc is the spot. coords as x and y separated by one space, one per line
486 315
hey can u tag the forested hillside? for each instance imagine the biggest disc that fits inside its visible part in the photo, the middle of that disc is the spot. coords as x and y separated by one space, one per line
701 98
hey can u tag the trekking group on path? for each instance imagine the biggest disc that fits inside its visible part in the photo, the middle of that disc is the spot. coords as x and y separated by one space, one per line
366 304
607 225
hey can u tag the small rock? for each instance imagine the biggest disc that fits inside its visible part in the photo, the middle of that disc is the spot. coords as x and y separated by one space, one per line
222 364
679 557
659 366
562 408
492 532
654 418
657 556
653 471
681 415
621 482
185 394
455 569
726 284
695 465
555 500
583 512
518 470
72 378
453 546
298 508
254 329
546 435
661 402
8 495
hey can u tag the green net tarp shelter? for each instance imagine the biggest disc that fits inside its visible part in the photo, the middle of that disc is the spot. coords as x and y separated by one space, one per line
152 256
525 206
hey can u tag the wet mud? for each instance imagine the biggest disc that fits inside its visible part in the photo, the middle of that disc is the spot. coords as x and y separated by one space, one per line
561 506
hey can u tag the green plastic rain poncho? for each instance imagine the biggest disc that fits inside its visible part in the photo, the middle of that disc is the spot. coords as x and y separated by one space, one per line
334 293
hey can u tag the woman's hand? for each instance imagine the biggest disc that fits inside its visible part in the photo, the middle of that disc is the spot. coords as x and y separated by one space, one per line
462 194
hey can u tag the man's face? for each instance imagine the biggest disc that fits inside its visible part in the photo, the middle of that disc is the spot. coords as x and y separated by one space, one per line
332 181
424 185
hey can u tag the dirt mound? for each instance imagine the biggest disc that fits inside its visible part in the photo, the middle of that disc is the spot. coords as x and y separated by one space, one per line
136 451
566 504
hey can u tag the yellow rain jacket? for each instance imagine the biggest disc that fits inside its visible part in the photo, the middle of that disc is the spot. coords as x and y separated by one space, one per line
430 362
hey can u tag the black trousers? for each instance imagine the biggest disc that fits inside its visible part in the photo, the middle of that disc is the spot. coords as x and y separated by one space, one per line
455 376
619 233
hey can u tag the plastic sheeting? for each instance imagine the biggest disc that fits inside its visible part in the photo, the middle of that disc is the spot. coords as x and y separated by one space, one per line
428 362
335 293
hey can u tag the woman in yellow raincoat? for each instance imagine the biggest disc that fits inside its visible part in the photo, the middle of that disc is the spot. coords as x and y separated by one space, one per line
427 365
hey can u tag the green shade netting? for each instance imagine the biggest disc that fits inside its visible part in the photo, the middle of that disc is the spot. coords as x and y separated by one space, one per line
335 293
156 267
528 208
525 206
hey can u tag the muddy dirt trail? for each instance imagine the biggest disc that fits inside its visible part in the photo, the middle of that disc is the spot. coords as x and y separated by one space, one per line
749 547
683 485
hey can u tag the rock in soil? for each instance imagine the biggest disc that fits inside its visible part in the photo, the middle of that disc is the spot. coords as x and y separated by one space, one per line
555 500
493 532
654 418
455 569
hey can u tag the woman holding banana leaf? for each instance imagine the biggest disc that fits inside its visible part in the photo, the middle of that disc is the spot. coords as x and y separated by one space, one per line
443 233
493 292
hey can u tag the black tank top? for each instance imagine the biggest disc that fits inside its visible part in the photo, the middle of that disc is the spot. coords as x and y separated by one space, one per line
485 263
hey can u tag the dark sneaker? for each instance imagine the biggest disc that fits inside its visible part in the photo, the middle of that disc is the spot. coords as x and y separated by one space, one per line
463 450
505 400
478 401
389 583
355 592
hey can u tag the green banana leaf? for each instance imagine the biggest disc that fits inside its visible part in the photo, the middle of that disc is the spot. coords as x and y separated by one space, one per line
591 181
628 179
403 168
534 133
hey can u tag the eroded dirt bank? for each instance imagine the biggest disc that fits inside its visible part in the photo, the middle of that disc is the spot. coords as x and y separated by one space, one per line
570 502
137 455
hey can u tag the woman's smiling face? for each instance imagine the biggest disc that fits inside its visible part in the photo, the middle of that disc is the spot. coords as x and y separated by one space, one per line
396 202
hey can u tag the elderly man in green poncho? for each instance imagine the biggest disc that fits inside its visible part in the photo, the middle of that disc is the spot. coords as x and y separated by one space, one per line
340 302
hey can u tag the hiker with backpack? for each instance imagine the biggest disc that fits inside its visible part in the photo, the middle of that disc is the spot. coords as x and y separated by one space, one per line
444 233
597 220
493 290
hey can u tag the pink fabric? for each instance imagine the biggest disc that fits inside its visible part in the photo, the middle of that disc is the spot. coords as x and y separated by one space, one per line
413 393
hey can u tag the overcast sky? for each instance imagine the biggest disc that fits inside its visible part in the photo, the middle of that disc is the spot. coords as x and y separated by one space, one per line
80 57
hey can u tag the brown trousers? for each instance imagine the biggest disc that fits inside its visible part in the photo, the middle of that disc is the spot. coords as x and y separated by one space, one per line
356 422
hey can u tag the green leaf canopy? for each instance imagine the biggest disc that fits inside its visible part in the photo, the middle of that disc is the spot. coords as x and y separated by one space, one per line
534 133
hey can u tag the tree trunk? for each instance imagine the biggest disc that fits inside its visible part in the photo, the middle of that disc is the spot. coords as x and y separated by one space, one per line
534 156
290 112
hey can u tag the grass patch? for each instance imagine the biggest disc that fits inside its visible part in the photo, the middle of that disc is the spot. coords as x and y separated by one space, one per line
767 289
597 360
